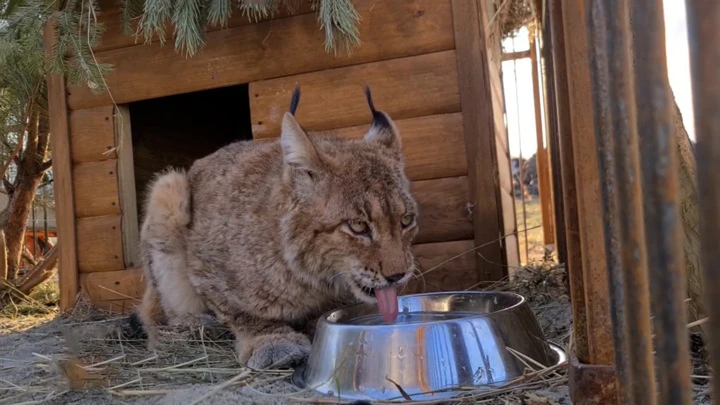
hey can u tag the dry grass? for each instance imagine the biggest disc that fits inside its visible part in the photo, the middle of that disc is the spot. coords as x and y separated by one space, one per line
533 238
102 358
102 363
39 307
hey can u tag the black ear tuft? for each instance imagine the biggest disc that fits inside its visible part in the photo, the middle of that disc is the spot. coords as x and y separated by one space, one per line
379 119
295 100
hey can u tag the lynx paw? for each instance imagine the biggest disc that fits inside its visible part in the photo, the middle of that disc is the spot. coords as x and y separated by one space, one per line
276 350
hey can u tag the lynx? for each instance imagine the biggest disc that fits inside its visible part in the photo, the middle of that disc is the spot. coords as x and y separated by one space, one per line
268 236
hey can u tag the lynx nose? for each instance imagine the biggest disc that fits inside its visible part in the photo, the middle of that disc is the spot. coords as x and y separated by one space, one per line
393 278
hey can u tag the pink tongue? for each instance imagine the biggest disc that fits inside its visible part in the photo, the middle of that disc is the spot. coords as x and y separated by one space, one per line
387 303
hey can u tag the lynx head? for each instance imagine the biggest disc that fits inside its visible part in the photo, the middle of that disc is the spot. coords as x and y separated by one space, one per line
352 218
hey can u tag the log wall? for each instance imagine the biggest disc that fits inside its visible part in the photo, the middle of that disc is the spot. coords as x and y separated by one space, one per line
410 59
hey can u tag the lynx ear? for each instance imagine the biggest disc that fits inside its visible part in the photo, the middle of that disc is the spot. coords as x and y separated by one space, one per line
382 129
298 151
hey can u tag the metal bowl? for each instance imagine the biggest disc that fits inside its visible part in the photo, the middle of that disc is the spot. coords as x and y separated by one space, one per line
440 344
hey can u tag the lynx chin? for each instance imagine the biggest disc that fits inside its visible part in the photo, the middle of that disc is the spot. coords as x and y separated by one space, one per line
265 237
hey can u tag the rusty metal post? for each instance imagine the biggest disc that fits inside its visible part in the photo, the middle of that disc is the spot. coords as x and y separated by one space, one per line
567 162
572 231
590 229
663 226
618 155
554 140
587 183
704 39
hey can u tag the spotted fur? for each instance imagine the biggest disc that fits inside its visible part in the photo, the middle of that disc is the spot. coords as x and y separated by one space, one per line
265 235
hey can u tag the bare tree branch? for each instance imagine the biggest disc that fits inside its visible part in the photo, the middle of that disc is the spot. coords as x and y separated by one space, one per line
27 114
15 153
31 148
44 136
45 166
9 187
28 256
3 257
41 272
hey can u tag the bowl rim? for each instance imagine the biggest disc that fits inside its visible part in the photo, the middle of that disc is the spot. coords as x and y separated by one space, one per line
523 301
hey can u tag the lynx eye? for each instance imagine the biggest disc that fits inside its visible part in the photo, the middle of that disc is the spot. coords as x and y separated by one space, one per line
407 220
359 227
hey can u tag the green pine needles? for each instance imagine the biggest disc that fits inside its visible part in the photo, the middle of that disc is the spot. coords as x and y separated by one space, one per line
338 18
78 31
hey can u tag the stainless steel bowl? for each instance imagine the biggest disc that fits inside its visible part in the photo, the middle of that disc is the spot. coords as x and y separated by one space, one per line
441 342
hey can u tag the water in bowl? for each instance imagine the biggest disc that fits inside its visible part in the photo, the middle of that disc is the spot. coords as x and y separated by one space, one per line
405 318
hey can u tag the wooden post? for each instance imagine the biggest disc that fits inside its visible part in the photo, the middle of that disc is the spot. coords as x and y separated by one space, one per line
62 172
126 186
541 153
480 136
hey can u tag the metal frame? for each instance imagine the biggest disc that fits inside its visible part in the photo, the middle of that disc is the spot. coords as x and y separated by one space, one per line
704 39
608 58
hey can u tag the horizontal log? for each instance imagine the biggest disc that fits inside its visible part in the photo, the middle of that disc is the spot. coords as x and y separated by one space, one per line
289 46
92 134
433 146
443 217
95 186
113 285
444 212
450 267
99 244
114 37
404 88
117 307
454 261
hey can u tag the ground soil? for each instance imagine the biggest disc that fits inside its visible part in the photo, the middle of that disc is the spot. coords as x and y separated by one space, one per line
39 355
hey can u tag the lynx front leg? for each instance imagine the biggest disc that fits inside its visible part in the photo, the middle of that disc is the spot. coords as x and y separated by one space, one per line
262 344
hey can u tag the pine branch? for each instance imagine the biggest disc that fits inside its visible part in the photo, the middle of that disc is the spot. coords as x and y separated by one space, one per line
219 12
131 10
339 20
256 12
189 30
153 19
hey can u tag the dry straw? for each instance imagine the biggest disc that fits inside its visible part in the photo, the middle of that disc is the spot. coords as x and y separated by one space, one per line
103 358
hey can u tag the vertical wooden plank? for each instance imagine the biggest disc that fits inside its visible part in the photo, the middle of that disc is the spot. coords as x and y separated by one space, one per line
541 153
62 173
126 186
587 183
506 197
479 131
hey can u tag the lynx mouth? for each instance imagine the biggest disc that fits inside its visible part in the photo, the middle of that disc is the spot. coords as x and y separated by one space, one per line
386 298
370 292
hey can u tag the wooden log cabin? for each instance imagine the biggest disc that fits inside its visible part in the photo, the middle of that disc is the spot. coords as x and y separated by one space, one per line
430 65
